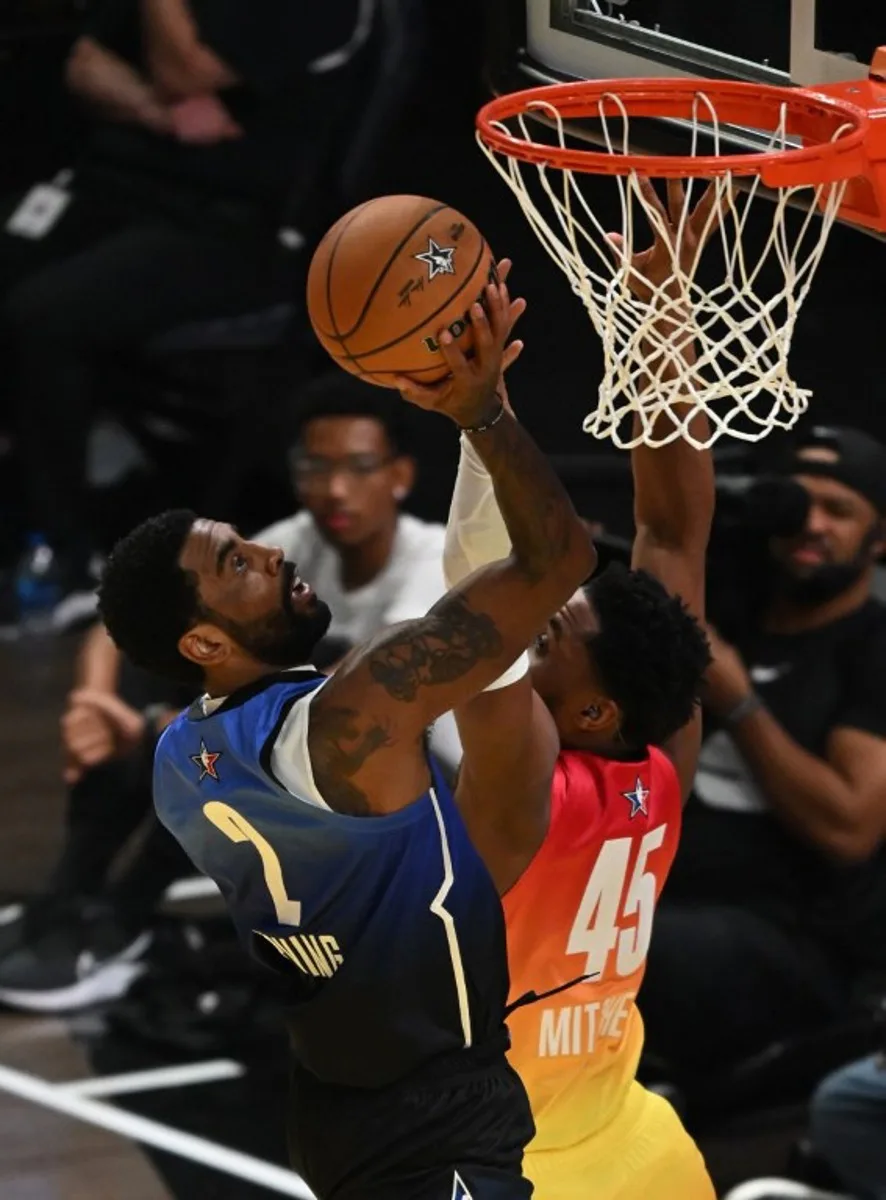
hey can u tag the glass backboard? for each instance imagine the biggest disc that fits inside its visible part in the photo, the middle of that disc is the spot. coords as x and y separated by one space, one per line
782 42
771 41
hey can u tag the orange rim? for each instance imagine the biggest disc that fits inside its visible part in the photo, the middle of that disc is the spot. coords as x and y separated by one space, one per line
832 131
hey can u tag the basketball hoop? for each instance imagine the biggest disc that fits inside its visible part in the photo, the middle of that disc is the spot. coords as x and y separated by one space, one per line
743 317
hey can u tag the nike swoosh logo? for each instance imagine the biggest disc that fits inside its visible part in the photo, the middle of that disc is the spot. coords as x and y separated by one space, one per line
86 964
769 674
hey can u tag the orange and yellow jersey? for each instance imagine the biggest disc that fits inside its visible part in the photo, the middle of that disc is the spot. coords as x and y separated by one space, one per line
584 908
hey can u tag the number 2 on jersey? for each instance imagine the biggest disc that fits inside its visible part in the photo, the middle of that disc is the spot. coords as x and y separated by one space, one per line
235 826
595 931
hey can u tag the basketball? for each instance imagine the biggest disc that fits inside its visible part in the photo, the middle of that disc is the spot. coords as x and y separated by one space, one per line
388 278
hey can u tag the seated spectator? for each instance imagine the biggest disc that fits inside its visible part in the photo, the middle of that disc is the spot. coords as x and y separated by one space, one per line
778 895
373 564
81 940
203 129
848 1120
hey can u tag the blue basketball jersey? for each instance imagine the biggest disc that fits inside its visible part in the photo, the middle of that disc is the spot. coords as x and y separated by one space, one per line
388 928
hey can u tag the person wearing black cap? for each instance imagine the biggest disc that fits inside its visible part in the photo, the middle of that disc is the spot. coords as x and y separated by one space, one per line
778 897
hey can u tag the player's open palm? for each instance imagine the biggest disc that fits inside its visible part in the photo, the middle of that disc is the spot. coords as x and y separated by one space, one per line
467 394
678 239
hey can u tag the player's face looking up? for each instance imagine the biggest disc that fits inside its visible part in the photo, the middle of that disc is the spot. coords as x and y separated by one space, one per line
349 478
841 538
252 600
563 675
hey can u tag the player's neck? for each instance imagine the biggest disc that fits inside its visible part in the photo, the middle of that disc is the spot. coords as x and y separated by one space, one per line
226 680
785 615
602 747
361 564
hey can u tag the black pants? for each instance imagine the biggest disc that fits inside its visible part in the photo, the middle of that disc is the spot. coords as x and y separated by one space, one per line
127 260
108 806
722 983
453 1134
105 809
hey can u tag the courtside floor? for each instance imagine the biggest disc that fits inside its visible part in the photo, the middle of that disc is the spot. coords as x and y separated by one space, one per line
86 1115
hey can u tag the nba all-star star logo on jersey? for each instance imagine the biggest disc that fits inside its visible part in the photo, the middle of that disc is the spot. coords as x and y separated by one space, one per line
206 761
438 259
638 798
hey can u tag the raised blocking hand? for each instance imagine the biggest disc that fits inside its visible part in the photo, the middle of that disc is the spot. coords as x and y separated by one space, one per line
676 235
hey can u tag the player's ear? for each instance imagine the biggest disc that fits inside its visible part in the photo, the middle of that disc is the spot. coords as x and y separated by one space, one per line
403 471
599 716
206 645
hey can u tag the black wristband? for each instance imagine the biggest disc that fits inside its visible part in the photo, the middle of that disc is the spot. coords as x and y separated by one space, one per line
491 424
743 709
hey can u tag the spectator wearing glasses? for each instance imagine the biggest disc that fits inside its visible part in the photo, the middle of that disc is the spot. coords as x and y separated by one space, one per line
373 564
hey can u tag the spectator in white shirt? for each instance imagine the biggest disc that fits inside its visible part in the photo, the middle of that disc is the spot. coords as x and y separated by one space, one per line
373 564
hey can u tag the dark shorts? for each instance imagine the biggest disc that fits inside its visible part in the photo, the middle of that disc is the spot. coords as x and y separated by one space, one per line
415 1140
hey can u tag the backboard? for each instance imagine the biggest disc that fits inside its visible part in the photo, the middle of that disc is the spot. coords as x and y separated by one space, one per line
783 42
770 41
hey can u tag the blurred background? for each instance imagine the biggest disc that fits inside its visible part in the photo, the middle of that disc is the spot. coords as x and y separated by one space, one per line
155 352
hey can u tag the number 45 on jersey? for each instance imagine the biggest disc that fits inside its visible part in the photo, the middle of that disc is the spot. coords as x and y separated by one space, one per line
597 930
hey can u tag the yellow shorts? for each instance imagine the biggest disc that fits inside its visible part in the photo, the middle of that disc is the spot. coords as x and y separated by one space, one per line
643 1154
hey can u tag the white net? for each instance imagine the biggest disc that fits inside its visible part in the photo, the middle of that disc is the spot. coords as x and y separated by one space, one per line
742 317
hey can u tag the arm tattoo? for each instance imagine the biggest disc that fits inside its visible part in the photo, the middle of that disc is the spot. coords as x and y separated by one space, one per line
341 740
442 647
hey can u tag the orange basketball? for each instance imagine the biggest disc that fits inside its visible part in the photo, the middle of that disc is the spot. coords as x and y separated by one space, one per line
388 278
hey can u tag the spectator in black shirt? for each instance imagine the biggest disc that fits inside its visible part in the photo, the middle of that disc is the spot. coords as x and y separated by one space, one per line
778 896
205 123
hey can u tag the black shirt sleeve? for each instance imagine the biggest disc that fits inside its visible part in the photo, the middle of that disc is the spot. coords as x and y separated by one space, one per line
116 24
269 43
864 685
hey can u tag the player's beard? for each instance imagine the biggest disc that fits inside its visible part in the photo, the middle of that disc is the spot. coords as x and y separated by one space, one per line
827 581
286 638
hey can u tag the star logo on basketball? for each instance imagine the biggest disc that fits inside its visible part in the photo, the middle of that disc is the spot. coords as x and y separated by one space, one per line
637 799
438 259
206 761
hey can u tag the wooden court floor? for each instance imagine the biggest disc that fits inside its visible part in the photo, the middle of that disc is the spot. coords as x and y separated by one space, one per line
42 1153
217 1125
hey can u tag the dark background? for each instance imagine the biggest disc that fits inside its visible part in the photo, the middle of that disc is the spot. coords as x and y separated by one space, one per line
431 150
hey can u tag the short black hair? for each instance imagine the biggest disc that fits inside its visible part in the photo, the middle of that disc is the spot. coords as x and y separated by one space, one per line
342 395
147 601
650 654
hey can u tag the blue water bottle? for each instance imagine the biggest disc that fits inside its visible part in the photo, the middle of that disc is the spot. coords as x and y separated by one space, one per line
37 586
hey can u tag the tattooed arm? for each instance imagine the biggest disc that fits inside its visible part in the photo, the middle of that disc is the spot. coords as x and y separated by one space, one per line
509 740
368 720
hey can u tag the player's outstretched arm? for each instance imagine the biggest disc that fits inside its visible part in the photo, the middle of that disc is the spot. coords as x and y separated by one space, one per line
509 741
368 720
674 484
